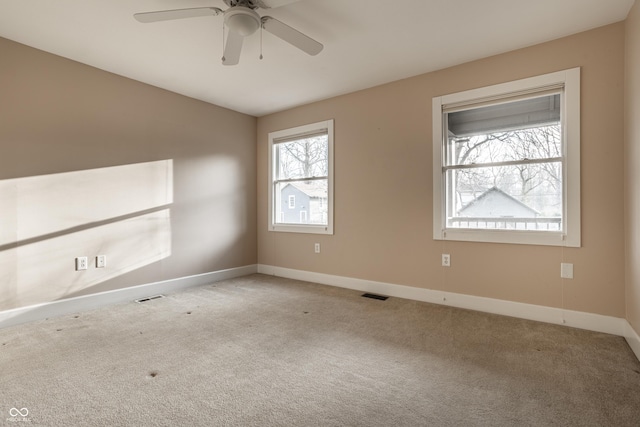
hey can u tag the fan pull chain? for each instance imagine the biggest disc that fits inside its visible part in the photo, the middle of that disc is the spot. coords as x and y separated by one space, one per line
261 40
223 58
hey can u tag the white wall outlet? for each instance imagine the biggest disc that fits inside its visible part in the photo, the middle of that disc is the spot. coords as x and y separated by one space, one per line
82 263
101 261
446 260
316 248
566 270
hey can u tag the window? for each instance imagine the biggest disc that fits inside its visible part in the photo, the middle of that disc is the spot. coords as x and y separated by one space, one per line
507 162
301 179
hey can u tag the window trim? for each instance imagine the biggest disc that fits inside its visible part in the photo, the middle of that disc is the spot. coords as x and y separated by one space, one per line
290 135
570 235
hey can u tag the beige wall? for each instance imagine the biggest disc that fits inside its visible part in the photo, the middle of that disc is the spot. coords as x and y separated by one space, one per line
92 163
632 165
383 205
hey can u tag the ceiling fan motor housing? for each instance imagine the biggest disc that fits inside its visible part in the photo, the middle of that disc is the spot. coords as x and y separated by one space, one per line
251 4
242 20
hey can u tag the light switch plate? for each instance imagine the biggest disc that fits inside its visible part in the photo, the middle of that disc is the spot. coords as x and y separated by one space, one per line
566 270
101 261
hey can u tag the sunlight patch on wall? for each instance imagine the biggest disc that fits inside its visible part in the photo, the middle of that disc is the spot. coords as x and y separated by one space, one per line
52 203
46 221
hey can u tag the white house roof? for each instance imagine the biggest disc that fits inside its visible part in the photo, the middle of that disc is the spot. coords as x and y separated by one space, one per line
505 204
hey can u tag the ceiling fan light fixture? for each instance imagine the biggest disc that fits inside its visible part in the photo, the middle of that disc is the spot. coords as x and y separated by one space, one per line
242 20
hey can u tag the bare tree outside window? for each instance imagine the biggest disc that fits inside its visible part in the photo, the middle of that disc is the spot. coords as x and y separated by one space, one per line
304 158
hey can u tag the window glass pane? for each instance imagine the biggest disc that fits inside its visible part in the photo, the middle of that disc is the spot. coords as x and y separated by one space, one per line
514 197
303 158
510 145
310 202
524 194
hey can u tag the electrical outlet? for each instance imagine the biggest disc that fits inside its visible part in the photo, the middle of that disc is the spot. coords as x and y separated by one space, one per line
566 270
101 261
446 260
82 263
316 248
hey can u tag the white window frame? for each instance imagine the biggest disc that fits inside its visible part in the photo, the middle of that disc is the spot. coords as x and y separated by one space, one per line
570 113
301 131
292 201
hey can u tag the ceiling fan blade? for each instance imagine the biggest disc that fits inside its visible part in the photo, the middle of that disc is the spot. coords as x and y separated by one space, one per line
270 4
232 48
167 15
291 35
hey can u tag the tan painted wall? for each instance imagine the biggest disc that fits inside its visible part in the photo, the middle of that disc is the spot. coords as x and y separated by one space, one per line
383 205
92 163
632 166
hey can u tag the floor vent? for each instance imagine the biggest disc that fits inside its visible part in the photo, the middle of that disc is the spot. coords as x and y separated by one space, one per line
145 299
374 296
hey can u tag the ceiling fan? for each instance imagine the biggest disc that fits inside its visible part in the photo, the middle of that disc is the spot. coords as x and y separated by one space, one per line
242 20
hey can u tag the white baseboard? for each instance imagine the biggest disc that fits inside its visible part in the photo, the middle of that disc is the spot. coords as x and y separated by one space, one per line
89 302
576 319
633 339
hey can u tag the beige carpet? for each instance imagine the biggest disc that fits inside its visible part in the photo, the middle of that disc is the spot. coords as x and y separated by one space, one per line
264 351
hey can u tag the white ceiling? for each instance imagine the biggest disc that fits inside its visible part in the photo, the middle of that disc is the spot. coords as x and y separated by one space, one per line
366 42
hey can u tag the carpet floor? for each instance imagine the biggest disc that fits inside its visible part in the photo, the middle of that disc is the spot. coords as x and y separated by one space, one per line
267 351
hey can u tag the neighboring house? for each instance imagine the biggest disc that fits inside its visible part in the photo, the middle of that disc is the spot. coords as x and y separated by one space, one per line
304 203
495 203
